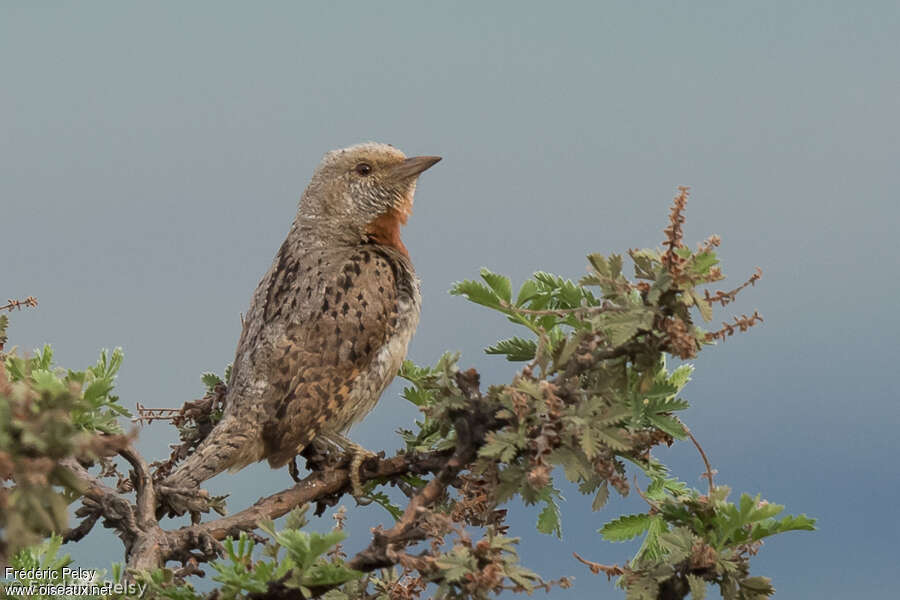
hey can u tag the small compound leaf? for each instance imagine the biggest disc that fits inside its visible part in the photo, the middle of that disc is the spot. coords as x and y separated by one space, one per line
625 528
515 349
698 587
477 293
499 284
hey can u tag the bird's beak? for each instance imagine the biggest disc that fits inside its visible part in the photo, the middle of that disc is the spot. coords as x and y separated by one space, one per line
413 167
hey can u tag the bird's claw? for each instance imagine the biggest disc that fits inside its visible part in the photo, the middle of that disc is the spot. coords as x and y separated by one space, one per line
294 470
359 456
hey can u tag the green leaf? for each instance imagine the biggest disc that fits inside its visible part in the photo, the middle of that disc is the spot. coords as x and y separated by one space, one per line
668 424
570 295
614 438
525 578
500 445
759 586
680 376
645 263
615 265
761 510
702 304
515 349
601 498
770 527
97 390
625 528
642 588
667 405
622 326
45 381
589 442
702 262
476 292
796 523
329 574
296 519
210 380
598 261
456 564
661 284
698 587
499 284
677 544
568 348
612 415
550 519
651 548
16 368
574 464
382 499
418 396
43 359
304 548
528 291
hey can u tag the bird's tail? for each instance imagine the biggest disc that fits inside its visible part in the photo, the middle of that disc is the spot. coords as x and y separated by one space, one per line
230 445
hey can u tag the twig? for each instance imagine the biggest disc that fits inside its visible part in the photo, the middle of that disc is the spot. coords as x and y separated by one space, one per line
641 493
11 305
148 415
560 312
315 487
674 233
103 499
724 298
709 470
143 485
596 568
147 545
471 429
77 533
740 324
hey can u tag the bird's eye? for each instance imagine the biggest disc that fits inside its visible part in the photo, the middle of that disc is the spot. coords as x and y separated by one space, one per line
363 169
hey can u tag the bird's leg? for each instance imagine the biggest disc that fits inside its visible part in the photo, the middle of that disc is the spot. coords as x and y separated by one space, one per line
319 454
358 455
294 470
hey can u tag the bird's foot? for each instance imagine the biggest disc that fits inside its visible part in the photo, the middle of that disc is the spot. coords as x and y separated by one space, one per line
358 456
294 470
176 501
322 453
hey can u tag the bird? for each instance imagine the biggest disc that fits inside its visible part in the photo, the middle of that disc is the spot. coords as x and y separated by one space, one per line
329 323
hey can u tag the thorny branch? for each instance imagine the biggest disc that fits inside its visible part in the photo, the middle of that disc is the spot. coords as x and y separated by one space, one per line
12 305
709 470
135 516
596 568
724 298
471 429
149 546
742 323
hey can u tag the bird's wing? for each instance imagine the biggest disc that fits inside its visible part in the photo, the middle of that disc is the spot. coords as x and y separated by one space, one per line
351 313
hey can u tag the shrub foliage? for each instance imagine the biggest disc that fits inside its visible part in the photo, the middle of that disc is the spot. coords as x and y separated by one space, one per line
594 396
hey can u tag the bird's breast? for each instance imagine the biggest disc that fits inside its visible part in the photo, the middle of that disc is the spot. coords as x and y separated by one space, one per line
402 322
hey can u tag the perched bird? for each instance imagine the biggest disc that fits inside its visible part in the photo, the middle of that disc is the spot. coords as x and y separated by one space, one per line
329 324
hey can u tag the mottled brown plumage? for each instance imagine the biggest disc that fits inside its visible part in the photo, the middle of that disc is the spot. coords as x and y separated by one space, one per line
329 323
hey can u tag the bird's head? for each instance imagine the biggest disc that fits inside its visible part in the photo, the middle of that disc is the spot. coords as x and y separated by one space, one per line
362 193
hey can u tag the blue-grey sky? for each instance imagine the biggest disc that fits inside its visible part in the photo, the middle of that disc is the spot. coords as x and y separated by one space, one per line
152 155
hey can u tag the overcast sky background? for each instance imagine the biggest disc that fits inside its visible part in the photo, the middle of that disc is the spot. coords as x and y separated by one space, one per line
152 155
